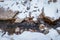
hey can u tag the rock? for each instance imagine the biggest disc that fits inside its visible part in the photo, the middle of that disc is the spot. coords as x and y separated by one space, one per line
1 0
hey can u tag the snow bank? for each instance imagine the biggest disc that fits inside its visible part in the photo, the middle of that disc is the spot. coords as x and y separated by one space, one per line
57 37
27 35
52 33
32 36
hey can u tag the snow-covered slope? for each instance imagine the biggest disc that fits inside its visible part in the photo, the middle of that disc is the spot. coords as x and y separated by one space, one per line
34 7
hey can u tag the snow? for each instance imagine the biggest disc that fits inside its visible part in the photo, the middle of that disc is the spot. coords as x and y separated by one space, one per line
5 37
52 33
57 37
58 28
21 16
27 35
49 9
32 36
34 19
